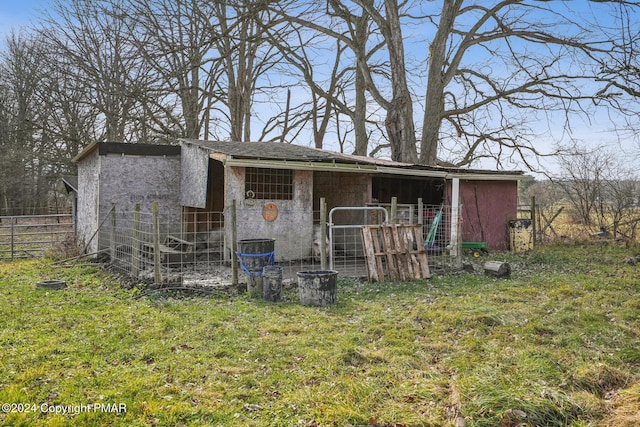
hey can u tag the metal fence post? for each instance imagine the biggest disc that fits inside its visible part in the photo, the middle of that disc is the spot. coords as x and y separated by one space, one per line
11 221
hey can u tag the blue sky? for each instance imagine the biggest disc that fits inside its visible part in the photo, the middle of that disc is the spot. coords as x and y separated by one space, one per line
18 13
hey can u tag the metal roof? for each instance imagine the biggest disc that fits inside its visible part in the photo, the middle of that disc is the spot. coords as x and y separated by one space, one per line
70 183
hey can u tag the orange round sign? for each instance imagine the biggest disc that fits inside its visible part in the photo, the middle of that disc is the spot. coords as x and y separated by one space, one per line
270 212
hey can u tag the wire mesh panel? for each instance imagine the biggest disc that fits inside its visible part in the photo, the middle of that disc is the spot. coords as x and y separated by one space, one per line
199 248
436 223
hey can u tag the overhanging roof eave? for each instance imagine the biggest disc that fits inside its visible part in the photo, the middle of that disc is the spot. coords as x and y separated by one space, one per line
489 176
331 167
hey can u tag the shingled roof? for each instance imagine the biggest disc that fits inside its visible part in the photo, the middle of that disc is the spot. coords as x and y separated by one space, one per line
290 152
282 151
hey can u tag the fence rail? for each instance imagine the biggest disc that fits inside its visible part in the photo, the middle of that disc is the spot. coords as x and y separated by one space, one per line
30 236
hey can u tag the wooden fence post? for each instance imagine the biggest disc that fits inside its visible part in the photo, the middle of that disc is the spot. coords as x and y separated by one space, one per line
112 236
157 276
394 210
135 244
533 222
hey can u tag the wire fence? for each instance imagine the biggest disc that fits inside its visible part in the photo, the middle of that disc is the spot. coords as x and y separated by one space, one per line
202 249
30 236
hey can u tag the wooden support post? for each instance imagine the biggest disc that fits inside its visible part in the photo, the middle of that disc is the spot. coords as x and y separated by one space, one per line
534 228
234 244
454 239
323 233
394 210
420 211
157 273
112 236
135 244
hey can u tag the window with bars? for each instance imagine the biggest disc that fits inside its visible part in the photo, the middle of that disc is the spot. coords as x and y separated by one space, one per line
274 184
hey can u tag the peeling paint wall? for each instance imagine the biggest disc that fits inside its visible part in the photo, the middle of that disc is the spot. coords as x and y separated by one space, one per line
487 207
293 226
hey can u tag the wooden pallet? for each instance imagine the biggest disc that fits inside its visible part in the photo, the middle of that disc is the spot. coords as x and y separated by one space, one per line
395 251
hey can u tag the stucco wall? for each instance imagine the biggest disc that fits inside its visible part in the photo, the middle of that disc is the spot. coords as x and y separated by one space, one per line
487 206
126 180
194 164
292 228
87 209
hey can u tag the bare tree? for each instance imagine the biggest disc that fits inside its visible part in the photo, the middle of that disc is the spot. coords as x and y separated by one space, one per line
175 41
46 120
92 36
548 207
491 69
620 212
582 180
602 190
326 87
350 23
245 59
619 71
22 175
546 54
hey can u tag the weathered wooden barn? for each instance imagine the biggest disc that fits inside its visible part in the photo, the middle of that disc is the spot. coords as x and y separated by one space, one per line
277 188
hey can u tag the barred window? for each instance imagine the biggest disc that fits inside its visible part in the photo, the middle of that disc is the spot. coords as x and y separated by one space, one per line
274 184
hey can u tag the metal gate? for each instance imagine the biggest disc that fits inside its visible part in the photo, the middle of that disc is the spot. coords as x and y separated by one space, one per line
29 236
346 252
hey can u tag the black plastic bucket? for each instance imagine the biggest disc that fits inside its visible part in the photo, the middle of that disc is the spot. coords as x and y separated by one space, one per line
254 254
272 282
318 287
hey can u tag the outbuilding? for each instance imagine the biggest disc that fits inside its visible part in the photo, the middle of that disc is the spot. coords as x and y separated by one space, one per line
277 189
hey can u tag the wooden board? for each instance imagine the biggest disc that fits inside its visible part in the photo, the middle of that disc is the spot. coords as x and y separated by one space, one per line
395 252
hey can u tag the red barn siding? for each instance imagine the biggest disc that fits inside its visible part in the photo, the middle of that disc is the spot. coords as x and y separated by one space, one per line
487 207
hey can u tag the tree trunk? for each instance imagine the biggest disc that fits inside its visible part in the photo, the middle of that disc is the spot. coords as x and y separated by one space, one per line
360 111
399 121
434 102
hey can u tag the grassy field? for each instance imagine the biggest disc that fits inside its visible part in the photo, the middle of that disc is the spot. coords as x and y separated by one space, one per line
557 344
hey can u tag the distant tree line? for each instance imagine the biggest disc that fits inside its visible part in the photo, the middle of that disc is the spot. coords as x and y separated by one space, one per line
437 82
597 190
